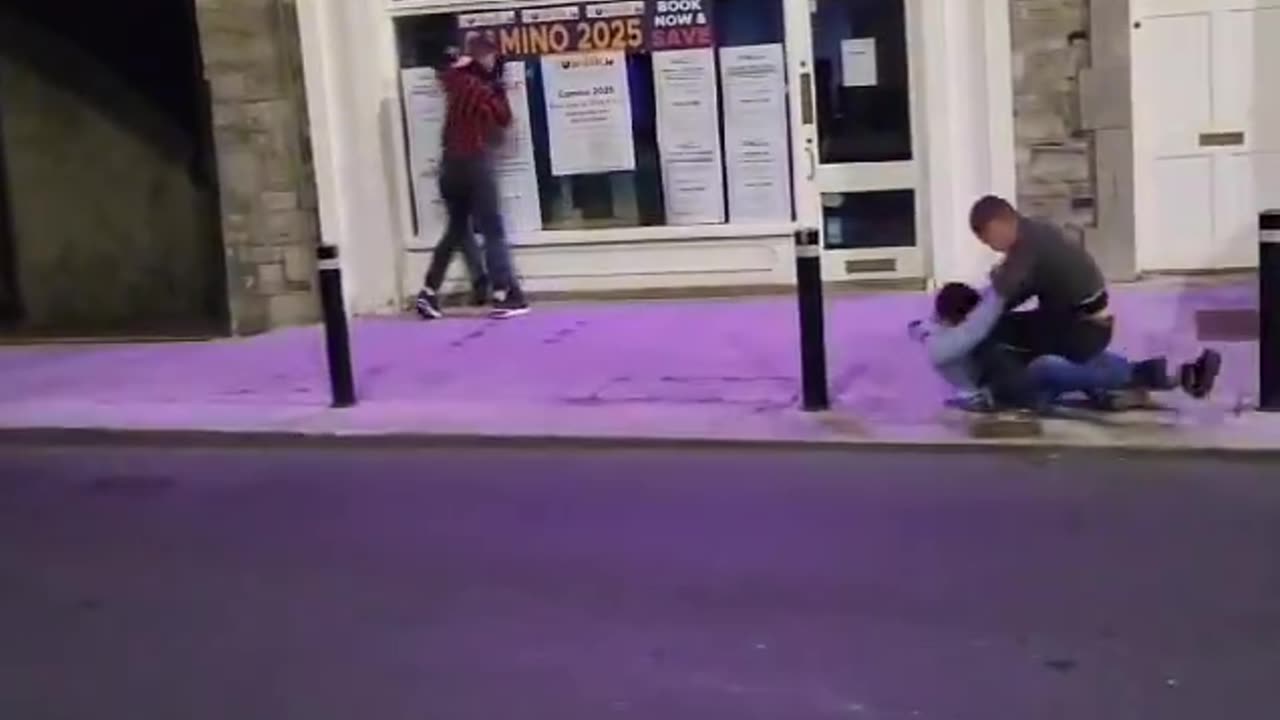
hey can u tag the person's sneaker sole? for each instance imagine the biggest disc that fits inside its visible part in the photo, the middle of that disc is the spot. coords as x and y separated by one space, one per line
508 313
427 312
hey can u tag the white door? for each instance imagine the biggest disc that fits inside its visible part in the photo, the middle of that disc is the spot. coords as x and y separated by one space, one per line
853 80
1206 97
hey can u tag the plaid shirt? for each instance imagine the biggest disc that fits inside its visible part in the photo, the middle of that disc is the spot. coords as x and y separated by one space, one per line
476 112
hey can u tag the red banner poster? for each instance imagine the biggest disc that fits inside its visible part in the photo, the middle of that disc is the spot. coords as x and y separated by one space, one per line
631 26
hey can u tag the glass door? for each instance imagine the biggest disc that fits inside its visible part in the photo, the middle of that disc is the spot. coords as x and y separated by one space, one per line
855 139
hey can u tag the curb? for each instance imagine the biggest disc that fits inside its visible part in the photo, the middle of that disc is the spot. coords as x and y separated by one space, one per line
272 439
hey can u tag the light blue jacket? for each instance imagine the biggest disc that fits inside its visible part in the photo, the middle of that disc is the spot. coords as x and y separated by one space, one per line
950 347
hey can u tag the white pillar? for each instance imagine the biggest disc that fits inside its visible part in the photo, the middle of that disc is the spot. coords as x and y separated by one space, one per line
321 59
969 110
349 103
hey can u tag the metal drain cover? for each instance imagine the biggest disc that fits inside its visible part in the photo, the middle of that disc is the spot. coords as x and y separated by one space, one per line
1239 325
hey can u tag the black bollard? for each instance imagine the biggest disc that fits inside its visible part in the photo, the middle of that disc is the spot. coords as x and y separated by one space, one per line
336 338
813 342
1269 311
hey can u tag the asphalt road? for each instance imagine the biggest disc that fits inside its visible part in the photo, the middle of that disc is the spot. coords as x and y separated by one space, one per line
502 584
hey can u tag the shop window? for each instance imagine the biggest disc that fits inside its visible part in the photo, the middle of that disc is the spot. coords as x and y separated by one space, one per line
609 164
749 22
602 200
866 220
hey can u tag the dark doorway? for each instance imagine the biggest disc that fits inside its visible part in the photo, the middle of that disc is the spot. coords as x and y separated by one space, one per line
10 297
109 219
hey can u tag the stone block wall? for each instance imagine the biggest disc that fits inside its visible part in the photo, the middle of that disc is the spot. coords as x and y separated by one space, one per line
1050 48
253 63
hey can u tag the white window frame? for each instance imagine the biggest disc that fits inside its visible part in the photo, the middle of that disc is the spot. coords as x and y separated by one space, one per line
812 176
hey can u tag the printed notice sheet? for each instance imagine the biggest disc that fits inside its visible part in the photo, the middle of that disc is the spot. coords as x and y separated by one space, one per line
756 135
689 136
588 113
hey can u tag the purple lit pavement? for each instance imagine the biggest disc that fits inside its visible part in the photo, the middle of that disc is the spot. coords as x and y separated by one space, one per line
469 584
705 370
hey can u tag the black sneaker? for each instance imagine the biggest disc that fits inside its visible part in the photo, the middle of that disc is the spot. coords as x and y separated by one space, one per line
509 304
428 305
1200 377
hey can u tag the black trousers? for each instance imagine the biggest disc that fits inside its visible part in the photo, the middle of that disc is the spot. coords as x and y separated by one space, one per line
1035 333
1022 336
470 193
457 240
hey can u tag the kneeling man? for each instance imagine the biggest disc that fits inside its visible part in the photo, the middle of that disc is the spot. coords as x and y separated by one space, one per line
1072 319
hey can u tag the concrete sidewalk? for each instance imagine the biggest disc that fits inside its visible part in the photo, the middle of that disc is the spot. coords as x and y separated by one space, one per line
654 371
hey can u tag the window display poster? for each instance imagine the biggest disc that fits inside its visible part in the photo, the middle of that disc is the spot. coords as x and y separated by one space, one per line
680 24
756 134
689 136
588 113
858 62
513 163
424 104
623 25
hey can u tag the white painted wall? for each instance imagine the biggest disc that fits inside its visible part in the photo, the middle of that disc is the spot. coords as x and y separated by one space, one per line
969 106
347 102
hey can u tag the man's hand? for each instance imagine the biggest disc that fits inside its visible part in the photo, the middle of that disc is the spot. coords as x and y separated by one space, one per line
497 77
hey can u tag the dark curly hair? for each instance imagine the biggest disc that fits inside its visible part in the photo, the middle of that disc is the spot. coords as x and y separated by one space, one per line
954 302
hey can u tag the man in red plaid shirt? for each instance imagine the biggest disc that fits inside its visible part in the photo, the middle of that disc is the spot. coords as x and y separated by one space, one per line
476 117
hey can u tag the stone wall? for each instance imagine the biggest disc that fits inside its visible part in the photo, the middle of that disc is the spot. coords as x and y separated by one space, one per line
253 63
1050 47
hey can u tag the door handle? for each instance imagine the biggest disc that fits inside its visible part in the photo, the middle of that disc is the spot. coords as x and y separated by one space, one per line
1221 139
813 163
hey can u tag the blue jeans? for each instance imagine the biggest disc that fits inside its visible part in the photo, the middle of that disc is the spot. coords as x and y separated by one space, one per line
1054 376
